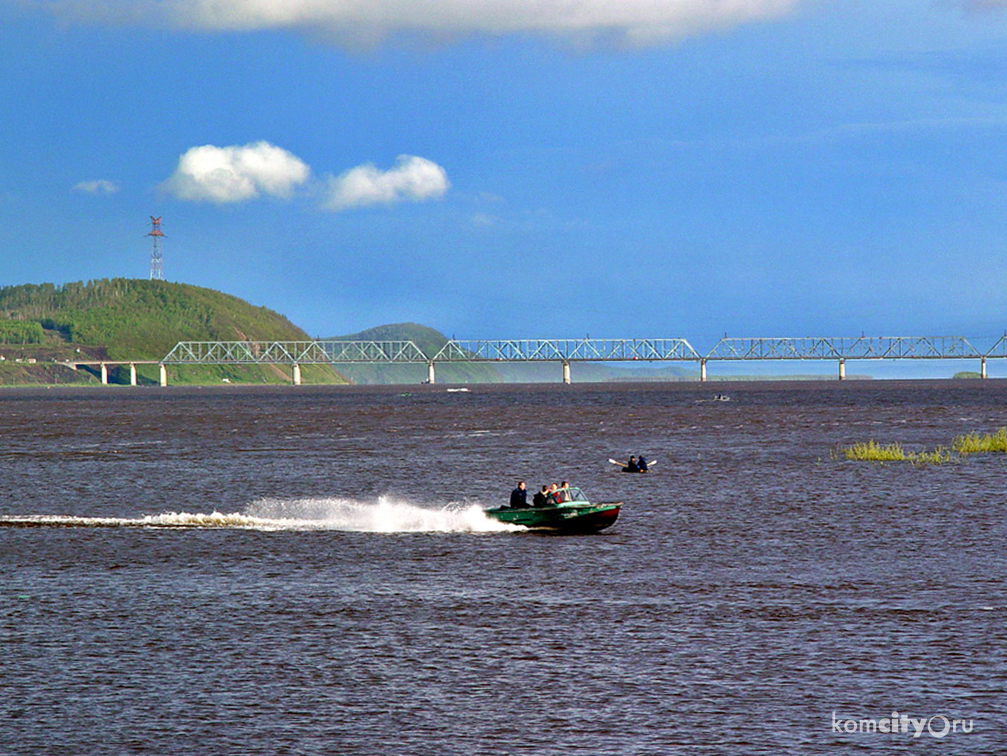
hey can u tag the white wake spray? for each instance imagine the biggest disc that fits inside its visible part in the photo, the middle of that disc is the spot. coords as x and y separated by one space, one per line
384 515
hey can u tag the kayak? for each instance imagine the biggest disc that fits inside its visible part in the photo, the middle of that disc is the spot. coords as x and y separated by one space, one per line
627 468
573 515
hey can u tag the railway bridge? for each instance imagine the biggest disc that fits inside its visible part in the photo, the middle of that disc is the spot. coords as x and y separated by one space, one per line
564 352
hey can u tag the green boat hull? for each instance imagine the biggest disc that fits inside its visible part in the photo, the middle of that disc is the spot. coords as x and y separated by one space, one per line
572 517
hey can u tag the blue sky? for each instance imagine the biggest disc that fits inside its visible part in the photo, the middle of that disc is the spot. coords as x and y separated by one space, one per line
520 169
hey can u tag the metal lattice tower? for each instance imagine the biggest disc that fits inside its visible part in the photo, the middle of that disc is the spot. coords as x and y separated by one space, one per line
156 266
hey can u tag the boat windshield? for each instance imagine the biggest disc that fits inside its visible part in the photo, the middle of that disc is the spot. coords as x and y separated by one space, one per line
575 494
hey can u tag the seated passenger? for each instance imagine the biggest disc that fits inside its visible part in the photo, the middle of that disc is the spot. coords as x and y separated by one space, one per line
552 498
563 494
538 500
519 496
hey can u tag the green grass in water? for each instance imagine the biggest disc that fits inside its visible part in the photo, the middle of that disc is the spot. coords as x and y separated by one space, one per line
973 443
872 451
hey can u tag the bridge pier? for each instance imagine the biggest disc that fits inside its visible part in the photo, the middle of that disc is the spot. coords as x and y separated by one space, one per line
104 374
431 373
297 374
566 372
702 371
132 374
982 370
162 374
842 369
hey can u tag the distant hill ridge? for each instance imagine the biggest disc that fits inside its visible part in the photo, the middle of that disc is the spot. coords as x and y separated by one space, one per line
429 340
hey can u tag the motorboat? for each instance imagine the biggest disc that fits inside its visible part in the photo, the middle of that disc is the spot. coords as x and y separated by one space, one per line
568 510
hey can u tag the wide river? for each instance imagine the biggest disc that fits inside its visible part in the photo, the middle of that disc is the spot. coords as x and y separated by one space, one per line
308 571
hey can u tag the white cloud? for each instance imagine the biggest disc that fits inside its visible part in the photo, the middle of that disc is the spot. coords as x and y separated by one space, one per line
236 173
365 22
243 172
412 179
99 186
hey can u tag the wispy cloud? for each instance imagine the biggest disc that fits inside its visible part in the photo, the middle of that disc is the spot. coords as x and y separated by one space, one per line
98 186
236 173
484 219
412 179
354 22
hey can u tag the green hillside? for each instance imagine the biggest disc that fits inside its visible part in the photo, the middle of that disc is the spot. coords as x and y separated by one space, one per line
119 319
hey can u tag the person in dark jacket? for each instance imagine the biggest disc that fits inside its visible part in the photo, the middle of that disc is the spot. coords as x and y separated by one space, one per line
519 496
538 500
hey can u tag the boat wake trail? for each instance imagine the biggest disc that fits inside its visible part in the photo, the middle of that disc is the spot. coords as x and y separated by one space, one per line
384 515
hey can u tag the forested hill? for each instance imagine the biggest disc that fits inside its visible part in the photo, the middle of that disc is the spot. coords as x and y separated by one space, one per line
121 319
133 318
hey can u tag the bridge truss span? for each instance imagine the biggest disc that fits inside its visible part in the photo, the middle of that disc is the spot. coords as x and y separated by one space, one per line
999 349
844 348
292 352
566 350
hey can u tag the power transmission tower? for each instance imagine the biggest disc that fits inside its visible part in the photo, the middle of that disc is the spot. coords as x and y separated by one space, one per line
156 265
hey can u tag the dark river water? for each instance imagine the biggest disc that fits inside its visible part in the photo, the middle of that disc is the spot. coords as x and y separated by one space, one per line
307 571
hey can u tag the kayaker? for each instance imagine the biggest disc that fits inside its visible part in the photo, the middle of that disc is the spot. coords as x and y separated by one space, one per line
642 464
519 496
632 466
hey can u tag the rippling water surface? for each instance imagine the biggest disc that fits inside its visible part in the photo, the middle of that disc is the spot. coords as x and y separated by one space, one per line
308 571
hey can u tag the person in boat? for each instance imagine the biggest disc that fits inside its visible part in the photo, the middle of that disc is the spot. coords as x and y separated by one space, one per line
538 500
563 494
641 464
632 466
519 496
552 497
